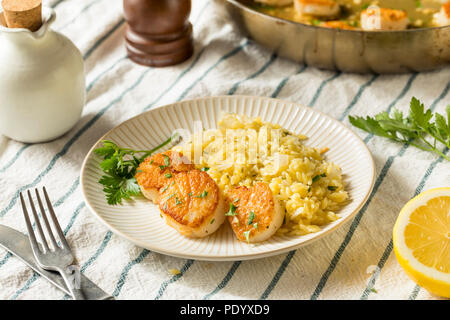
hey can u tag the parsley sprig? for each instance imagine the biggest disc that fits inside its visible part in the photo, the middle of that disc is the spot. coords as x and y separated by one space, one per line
119 166
417 129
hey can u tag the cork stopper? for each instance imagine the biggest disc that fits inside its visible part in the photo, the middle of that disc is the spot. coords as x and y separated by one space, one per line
23 14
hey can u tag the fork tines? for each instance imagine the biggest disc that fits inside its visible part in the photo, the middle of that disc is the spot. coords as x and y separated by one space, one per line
45 216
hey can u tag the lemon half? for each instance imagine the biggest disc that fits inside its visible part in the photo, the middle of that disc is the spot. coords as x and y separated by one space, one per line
422 240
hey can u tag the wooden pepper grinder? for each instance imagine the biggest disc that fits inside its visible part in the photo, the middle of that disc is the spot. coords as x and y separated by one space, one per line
158 32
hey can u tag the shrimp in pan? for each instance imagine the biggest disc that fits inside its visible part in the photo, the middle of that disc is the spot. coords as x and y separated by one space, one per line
254 213
317 8
442 18
373 19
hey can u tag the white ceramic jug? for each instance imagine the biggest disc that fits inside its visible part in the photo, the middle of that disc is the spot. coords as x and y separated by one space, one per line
42 82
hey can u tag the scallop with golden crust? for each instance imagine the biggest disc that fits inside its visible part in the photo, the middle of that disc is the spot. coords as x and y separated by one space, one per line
153 172
192 203
255 214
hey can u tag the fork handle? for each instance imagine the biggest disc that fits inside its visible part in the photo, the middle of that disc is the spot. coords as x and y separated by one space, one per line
77 293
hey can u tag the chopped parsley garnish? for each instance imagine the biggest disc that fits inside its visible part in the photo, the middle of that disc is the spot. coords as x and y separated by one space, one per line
171 196
232 211
168 175
190 194
251 217
203 194
166 160
332 188
165 188
177 202
317 178
212 221
418 4
205 169
255 225
247 235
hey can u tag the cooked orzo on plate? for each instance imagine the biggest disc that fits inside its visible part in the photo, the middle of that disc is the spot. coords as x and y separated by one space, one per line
244 151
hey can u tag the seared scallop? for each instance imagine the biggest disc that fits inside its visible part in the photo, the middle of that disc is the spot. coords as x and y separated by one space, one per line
153 172
278 3
254 213
442 18
373 19
192 203
317 8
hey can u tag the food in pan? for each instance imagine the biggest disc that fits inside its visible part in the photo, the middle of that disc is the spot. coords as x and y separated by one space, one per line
373 19
361 14
317 8
442 18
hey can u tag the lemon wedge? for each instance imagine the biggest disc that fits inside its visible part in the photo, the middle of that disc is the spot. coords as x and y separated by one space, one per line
422 240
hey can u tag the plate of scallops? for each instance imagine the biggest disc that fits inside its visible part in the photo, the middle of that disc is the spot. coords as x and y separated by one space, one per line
227 178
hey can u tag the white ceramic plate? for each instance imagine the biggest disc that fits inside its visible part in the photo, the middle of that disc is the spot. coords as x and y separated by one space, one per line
140 222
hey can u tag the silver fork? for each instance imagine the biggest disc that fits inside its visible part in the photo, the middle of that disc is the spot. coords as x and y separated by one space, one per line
54 257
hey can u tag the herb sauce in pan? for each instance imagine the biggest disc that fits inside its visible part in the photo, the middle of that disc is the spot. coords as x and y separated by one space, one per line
420 12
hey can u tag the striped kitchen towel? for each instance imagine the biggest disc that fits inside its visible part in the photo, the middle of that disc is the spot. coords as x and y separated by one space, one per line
355 262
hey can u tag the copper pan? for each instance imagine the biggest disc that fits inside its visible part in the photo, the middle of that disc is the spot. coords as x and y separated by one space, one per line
412 50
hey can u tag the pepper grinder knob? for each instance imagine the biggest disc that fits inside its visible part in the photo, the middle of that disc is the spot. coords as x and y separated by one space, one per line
158 32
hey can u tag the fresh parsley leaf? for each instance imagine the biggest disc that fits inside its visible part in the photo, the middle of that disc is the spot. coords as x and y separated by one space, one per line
131 187
332 188
168 175
119 166
212 221
316 178
205 169
417 129
232 211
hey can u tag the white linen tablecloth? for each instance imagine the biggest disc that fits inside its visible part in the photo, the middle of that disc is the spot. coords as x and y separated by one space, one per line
355 262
